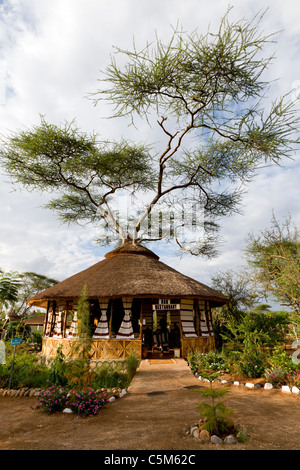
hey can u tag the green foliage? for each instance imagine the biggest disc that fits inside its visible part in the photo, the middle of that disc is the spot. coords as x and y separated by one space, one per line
217 414
253 363
108 376
211 360
58 369
275 258
253 330
132 362
82 347
193 85
35 338
9 287
27 371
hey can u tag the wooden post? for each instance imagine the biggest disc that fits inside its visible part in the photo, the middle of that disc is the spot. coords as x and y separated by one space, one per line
180 326
207 319
197 312
65 319
141 319
47 317
110 320
53 319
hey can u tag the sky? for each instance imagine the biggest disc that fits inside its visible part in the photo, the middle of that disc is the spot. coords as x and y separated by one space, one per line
51 55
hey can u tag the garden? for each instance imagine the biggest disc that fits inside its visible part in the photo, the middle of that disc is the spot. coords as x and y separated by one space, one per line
257 345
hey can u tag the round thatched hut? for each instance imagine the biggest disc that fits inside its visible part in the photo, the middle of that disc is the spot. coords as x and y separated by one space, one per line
137 305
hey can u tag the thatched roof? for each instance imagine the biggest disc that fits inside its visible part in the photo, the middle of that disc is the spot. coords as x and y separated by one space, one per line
130 270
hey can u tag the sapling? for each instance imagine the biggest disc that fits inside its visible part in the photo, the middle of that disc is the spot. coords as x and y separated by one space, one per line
216 415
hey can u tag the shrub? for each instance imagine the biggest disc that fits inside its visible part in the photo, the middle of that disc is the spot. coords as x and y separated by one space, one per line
279 359
132 362
27 371
52 400
253 364
58 369
109 376
276 376
87 402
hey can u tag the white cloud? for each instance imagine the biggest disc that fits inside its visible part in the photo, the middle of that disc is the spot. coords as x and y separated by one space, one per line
51 56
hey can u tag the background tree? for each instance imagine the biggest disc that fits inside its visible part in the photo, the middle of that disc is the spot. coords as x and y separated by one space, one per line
31 284
274 256
236 287
9 287
206 96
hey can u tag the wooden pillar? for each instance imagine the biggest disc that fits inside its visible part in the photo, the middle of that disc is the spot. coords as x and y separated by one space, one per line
207 318
64 319
47 317
197 313
179 324
110 319
141 319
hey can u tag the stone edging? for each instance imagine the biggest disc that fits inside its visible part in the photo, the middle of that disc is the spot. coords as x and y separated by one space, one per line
36 392
267 386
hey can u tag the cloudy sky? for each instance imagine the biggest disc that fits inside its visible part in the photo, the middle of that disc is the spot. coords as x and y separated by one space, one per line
51 55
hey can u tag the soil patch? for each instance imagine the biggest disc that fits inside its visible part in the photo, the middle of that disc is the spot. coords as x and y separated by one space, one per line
155 422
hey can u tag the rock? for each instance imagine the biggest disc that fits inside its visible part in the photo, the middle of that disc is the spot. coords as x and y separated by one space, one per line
277 387
242 383
295 390
17 394
67 410
216 440
204 435
217 380
258 385
194 428
230 382
268 386
236 382
231 439
196 434
286 388
249 385
26 393
112 399
223 381
32 392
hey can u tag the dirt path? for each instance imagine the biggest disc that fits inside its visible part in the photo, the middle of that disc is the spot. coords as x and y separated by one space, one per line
157 422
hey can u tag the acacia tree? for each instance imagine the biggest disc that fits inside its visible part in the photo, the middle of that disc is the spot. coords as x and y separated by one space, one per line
206 96
30 284
275 258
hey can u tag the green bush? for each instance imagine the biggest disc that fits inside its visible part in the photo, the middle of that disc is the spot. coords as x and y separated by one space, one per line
276 376
53 399
109 376
132 362
27 372
87 402
253 364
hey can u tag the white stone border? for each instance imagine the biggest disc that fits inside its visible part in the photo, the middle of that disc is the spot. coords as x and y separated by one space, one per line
268 386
